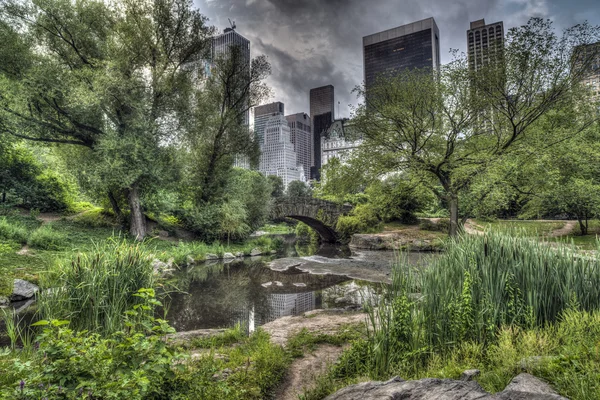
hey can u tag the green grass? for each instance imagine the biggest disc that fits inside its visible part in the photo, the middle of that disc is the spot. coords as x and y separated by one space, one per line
277 229
530 228
486 303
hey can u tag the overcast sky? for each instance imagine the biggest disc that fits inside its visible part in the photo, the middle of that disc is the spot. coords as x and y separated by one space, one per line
312 43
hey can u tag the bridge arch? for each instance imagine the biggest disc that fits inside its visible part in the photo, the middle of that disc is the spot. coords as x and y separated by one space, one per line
321 215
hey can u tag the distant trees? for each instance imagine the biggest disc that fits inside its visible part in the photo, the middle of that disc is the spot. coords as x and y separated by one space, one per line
449 128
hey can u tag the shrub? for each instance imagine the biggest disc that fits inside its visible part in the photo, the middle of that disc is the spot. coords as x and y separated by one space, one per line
134 363
47 238
13 231
442 225
96 218
362 219
98 287
50 192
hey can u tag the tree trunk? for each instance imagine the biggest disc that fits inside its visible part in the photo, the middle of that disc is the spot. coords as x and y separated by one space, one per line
4 197
582 226
453 204
115 207
137 226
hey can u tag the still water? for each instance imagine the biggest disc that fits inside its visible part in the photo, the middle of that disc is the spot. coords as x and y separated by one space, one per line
254 291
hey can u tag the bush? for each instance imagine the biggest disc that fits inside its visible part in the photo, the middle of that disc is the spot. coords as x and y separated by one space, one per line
47 238
134 363
442 225
50 192
98 287
362 219
96 218
13 231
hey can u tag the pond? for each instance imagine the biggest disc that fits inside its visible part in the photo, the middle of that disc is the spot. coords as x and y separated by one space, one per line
252 291
256 290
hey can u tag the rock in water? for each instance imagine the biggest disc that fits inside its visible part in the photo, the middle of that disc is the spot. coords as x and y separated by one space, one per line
522 387
255 252
228 256
210 256
23 290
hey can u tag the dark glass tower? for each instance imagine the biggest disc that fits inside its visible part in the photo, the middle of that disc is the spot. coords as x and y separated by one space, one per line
322 115
415 45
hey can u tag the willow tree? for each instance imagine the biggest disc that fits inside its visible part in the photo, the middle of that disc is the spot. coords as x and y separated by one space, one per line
105 76
450 126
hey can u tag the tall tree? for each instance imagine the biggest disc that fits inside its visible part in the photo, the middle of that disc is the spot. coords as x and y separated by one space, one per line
451 126
105 77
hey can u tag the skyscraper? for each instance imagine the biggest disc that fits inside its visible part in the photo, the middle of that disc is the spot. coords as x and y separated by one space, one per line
277 152
414 45
222 46
321 115
300 134
590 55
485 43
262 115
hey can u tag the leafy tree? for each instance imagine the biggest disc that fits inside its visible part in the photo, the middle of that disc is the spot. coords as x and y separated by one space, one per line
108 78
451 126
18 168
298 189
277 186
215 129
253 191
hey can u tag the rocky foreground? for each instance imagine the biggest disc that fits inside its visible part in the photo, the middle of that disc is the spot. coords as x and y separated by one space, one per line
523 386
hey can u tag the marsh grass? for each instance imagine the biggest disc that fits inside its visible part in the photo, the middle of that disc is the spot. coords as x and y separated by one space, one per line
93 290
13 231
489 302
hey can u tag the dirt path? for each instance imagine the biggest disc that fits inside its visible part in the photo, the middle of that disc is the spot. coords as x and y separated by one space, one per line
303 372
319 321
567 229
472 228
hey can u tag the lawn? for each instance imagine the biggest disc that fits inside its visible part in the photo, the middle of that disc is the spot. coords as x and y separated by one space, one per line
530 228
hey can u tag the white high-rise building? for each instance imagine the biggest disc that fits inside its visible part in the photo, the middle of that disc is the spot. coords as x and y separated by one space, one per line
277 152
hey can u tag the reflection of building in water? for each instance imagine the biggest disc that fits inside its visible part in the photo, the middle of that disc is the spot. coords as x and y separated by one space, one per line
281 305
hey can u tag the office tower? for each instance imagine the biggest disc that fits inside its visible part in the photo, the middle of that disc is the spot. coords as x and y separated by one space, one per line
277 153
414 45
300 134
485 43
590 55
262 115
321 115
222 47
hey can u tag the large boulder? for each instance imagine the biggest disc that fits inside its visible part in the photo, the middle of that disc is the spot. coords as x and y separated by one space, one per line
23 290
523 386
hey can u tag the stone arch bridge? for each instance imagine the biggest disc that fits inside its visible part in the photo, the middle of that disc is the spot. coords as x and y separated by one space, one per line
321 215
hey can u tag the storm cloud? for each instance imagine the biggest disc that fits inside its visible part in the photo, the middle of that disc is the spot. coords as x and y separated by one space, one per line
312 43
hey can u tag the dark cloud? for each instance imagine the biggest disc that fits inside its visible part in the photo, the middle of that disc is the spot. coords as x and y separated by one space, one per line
312 43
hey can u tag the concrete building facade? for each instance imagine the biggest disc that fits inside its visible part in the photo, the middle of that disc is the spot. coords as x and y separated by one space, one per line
277 152
485 43
300 134
262 115
340 141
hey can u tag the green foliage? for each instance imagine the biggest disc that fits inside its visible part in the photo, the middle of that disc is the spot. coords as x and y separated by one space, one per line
396 198
133 363
50 191
441 225
96 288
277 188
96 217
13 231
47 238
362 219
298 189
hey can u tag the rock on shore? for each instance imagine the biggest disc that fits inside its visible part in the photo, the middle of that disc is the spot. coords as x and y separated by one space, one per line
523 386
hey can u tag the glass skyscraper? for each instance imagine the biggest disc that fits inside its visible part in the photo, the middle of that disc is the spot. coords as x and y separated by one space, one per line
415 45
321 115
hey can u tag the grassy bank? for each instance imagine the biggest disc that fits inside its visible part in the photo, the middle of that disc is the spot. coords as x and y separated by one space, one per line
29 247
499 303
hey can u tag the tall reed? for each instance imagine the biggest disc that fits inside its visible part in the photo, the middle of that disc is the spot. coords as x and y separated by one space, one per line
95 289
480 284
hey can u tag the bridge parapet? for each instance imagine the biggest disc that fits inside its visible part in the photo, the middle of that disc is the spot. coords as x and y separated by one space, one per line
320 215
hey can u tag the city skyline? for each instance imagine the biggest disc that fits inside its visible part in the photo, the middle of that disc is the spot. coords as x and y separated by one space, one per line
316 43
